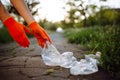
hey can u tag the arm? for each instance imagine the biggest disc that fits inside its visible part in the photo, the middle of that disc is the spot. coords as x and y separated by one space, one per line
40 34
22 8
15 29
3 13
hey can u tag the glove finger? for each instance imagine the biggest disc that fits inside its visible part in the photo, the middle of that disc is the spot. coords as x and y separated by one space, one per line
27 29
44 43
23 41
19 42
41 43
48 37
40 36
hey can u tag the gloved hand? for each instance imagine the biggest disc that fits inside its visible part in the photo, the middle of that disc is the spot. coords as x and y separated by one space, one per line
40 34
17 32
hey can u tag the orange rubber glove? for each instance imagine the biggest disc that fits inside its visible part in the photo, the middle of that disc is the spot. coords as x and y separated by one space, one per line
40 34
17 31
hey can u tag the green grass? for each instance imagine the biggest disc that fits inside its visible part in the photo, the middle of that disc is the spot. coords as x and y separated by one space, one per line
5 36
103 39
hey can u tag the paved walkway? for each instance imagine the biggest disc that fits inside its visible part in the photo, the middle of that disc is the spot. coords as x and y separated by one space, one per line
17 63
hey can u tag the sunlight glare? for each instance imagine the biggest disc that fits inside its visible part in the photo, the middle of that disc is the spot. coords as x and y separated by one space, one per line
52 10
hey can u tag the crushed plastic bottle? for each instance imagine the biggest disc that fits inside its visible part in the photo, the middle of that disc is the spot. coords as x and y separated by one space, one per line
91 58
52 57
84 67
67 59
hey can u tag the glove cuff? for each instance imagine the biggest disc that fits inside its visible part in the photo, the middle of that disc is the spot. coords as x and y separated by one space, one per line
33 24
9 21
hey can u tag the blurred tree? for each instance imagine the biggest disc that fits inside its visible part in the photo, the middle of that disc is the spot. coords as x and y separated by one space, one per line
103 0
71 13
79 12
105 16
108 16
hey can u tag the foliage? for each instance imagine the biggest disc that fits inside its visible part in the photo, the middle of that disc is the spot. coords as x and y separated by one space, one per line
103 39
111 57
49 25
80 8
104 17
82 36
4 36
108 16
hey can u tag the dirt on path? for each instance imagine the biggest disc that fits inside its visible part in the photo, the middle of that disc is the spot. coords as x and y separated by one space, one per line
17 63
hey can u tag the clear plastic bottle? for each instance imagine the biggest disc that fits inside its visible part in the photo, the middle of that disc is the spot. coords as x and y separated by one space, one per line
51 56
84 67
67 59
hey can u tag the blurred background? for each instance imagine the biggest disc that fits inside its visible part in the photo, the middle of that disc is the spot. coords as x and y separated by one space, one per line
93 24
70 13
